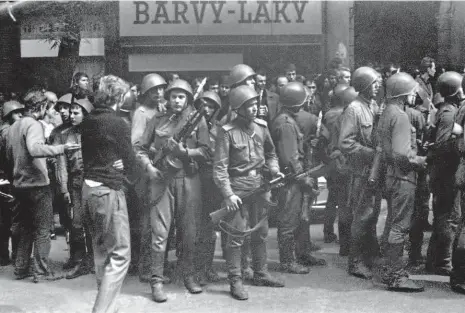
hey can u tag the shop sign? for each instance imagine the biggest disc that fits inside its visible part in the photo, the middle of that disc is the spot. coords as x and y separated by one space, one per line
186 18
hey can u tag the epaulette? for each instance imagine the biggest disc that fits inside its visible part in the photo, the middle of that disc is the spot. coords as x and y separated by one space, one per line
227 127
261 122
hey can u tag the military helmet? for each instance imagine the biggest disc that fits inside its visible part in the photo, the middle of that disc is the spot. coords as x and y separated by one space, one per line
84 104
400 84
151 80
180 84
363 77
349 95
10 106
239 73
240 95
449 83
129 101
293 94
336 99
209 95
66 98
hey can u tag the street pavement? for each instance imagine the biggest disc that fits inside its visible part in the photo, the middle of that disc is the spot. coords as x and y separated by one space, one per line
326 290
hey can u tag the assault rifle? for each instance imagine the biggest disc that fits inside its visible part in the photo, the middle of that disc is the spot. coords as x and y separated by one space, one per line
218 216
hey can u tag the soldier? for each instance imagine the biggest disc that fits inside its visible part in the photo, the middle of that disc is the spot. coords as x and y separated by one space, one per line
398 143
211 196
25 139
105 139
177 199
152 101
446 207
289 138
243 148
69 173
355 142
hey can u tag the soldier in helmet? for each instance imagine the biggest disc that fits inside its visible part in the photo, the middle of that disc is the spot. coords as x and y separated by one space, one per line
290 131
337 178
152 101
398 143
446 210
177 199
211 196
243 149
70 179
356 143
12 111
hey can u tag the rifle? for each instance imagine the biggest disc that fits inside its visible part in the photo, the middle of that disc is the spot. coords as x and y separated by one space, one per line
218 215
7 196
199 88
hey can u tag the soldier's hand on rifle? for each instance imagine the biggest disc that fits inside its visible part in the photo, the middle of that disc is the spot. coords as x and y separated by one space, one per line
177 148
118 165
67 197
72 147
314 142
233 203
421 161
161 107
153 172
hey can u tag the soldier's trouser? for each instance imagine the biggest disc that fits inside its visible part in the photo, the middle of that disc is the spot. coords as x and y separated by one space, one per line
181 201
252 212
401 202
339 185
34 221
420 215
5 229
458 252
446 212
80 238
289 224
365 217
211 201
107 216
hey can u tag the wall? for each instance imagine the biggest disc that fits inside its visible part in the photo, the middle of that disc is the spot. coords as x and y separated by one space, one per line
338 31
451 32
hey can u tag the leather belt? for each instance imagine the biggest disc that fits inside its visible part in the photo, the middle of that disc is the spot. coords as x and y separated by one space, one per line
252 173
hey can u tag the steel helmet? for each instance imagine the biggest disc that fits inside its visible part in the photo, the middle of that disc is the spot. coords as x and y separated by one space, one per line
129 101
10 106
293 94
209 95
363 77
239 73
241 94
400 84
151 80
449 83
336 99
85 104
349 95
180 84
66 98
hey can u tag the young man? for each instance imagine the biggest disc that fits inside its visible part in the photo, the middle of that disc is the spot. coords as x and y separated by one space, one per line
26 149
69 173
105 139
179 197
244 147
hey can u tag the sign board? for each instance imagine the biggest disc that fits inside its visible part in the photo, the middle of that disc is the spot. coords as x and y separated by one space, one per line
209 18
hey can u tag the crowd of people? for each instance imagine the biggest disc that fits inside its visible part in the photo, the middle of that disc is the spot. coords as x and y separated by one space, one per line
136 170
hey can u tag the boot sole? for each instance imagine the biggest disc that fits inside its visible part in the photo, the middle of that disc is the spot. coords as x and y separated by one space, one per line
160 300
406 289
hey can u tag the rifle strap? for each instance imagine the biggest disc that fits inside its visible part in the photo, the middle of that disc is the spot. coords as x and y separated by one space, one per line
234 232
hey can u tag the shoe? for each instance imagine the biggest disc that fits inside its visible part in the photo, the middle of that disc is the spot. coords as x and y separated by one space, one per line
22 274
70 264
78 270
48 276
459 288
330 237
402 283
247 273
191 285
267 280
442 271
294 268
360 270
158 295
238 291
53 236
309 260
212 276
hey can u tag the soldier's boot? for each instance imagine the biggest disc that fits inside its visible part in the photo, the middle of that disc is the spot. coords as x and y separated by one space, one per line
247 272
156 281
443 264
310 260
358 269
344 239
191 285
81 268
212 275
261 276
287 257
392 272
233 262
72 261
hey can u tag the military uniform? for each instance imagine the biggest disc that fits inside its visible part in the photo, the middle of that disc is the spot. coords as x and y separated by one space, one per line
355 142
446 202
241 154
180 198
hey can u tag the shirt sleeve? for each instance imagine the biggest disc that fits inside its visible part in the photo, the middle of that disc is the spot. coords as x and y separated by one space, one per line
201 152
35 143
287 147
271 158
221 164
142 146
404 157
